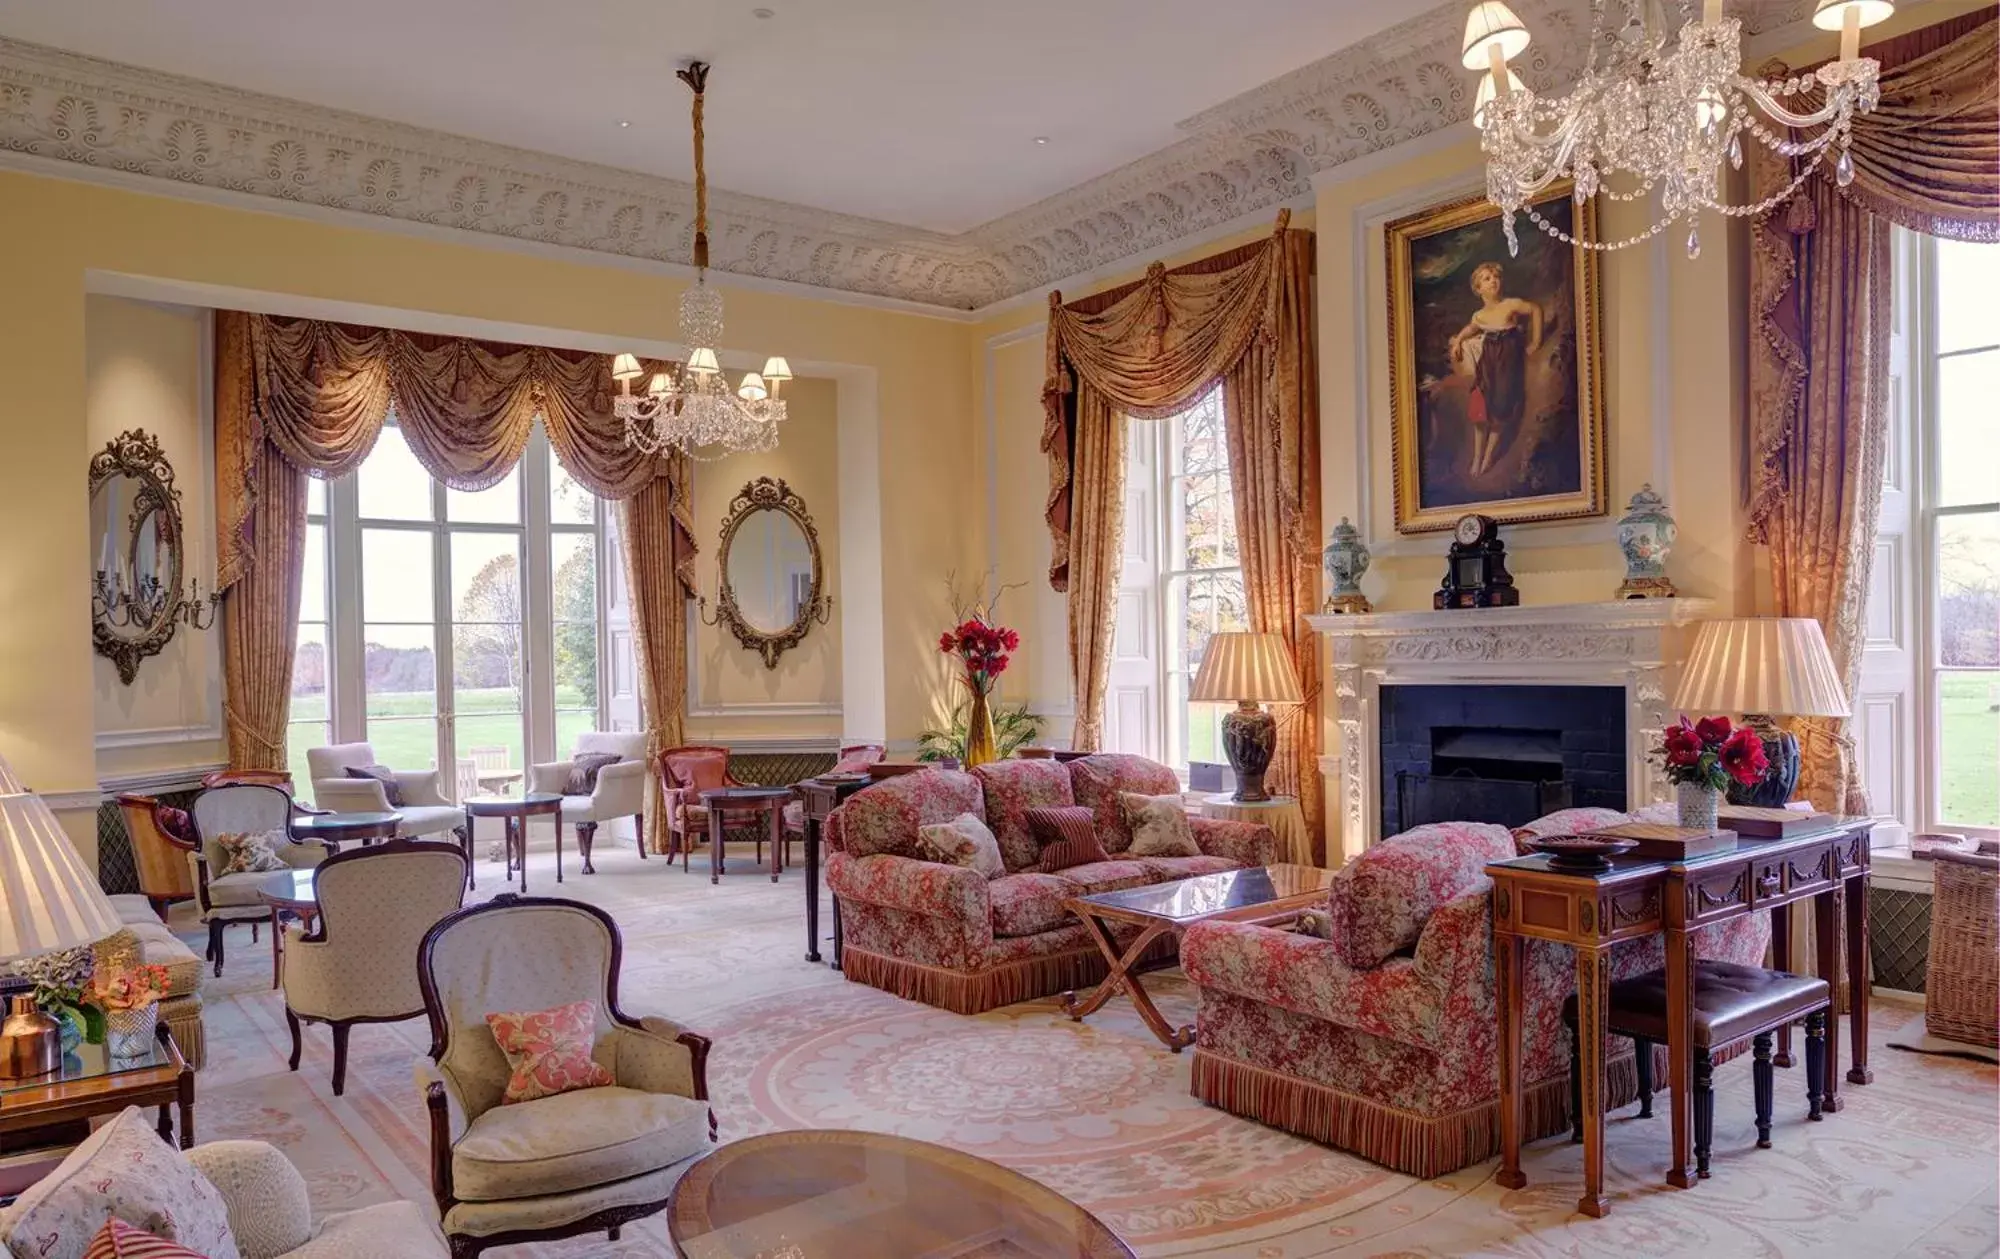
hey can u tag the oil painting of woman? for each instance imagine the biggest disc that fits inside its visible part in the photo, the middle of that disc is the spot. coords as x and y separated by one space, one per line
1493 361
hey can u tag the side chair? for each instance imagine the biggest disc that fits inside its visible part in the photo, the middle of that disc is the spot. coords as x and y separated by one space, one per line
240 808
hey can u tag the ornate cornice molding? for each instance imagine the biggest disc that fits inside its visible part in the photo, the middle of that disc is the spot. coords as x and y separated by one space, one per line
1252 153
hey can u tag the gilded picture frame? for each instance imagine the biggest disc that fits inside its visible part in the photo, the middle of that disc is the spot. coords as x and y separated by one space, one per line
1496 365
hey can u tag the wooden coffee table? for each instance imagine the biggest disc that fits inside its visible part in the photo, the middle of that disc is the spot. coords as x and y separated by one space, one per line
91 1082
1258 894
766 804
818 1194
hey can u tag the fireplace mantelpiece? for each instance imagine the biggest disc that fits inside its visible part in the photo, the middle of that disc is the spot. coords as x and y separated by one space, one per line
1637 644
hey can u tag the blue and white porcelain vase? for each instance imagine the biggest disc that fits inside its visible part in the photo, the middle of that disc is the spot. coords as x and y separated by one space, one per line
1346 559
1646 535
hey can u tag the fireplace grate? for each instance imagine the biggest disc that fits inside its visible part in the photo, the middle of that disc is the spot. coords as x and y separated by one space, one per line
1469 797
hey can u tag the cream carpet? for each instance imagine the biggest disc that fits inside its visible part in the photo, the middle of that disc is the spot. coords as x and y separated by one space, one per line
1101 1112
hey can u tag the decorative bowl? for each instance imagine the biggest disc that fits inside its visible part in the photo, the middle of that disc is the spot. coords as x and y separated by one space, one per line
1581 852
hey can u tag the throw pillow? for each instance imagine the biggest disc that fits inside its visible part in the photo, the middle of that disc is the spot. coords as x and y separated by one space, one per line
391 789
124 1171
119 1240
963 841
584 768
1160 826
1067 835
549 1051
254 852
175 823
1315 922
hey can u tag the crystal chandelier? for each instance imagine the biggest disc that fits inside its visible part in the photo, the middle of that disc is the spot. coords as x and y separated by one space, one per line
690 407
1654 111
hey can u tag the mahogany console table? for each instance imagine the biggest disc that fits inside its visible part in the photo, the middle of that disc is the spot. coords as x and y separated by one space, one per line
821 797
1590 912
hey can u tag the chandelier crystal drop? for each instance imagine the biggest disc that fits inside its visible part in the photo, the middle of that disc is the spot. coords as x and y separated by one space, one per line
690 407
1661 112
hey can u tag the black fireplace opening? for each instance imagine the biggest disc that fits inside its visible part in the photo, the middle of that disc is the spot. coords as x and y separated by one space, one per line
1503 754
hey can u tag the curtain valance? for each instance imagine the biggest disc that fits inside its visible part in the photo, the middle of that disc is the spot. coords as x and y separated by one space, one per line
317 394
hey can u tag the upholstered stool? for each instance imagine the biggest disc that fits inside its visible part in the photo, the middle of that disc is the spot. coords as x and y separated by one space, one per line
1732 1003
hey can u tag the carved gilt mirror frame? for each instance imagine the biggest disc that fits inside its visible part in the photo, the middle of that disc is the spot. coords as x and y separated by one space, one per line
772 495
136 455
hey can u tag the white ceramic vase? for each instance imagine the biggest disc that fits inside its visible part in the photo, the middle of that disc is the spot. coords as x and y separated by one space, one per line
129 1033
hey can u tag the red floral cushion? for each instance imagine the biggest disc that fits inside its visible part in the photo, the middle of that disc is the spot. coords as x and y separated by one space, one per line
1568 822
119 1240
1067 835
175 823
1381 900
1012 787
549 1051
700 771
1099 779
887 816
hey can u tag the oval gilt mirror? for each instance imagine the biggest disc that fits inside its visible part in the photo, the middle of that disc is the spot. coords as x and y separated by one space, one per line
769 563
136 558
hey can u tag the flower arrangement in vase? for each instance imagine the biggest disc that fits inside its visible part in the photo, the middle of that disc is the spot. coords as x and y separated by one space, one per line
982 647
130 997
1700 759
62 990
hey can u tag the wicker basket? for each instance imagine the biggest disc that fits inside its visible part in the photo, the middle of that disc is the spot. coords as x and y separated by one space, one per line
1962 993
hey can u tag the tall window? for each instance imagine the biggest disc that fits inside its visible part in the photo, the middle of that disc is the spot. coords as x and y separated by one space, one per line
1201 579
1959 510
454 630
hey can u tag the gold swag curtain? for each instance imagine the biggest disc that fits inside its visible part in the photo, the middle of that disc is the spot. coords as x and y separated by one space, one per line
1927 158
1146 350
299 397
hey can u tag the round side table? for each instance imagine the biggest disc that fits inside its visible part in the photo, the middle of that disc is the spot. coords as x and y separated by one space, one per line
288 892
1281 813
335 829
765 803
514 812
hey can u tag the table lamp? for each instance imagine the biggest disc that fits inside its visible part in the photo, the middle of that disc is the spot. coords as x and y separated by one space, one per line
48 901
1246 669
1763 667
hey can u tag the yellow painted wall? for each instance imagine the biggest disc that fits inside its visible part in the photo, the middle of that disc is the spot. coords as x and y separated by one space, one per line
143 370
55 231
727 674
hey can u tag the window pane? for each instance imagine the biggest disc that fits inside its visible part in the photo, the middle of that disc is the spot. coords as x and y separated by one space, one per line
569 503
574 556
486 577
396 575
569 725
495 505
486 668
399 668
1969 746
1968 436
1202 441
1968 275
315 496
1968 611
312 596
299 736
492 753
391 483
309 674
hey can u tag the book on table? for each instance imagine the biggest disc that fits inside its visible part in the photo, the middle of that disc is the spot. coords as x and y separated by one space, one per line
1662 841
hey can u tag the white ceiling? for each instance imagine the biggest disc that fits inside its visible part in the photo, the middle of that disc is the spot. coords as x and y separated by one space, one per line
920 112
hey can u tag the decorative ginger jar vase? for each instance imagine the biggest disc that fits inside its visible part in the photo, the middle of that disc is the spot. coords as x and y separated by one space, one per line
1646 535
1346 559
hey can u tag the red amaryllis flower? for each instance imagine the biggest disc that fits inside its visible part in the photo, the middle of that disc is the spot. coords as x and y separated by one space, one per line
1742 756
1712 731
946 644
1682 747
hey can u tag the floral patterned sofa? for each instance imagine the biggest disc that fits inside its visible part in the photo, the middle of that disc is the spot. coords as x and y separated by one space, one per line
1380 1038
946 935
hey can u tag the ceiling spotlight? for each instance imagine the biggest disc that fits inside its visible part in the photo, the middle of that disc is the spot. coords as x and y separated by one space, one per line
624 122
1041 139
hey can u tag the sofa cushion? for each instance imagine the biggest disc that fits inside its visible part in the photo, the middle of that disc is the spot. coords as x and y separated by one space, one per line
1012 788
1159 825
573 1141
1380 901
1099 779
963 841
548 1051
155 946
885 818
1106 876
583 771
119 1240
1568 822
1067 837
1029 904
1164 869
239 891
391 789
254 852
428 819
124 1170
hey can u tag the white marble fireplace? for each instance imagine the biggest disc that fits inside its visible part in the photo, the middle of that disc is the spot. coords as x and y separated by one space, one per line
1635 644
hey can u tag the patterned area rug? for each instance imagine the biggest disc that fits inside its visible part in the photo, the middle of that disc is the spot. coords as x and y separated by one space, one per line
1101 1112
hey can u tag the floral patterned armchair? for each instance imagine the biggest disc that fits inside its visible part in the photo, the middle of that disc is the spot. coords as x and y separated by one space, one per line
1380 1038
947 935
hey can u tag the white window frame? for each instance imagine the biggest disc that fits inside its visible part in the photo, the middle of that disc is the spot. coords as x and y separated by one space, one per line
346 645
1175 718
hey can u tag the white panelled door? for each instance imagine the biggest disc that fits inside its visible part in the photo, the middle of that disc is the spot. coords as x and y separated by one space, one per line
1132 696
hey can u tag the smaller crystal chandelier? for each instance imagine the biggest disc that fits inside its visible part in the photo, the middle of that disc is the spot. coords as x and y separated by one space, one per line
690 407
1658 111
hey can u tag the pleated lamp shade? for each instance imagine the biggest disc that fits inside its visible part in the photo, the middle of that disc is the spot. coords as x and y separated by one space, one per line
1246 667
48 898
1772 666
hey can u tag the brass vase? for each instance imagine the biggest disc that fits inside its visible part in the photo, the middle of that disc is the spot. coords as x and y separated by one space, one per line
980 744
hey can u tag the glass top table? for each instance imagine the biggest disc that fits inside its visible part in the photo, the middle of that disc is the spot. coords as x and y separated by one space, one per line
819 1194
91 1062
1213 895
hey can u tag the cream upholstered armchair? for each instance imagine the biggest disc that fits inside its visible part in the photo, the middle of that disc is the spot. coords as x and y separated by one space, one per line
375 904
575 1162
620 790
244 808
424 810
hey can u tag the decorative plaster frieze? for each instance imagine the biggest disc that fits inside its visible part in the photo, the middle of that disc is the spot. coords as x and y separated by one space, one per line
1252 153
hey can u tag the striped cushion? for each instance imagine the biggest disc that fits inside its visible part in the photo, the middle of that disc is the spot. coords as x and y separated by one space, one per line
1067 835
119 1240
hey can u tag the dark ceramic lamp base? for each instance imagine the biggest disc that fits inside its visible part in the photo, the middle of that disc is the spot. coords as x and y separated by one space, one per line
1249 736
1775 788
